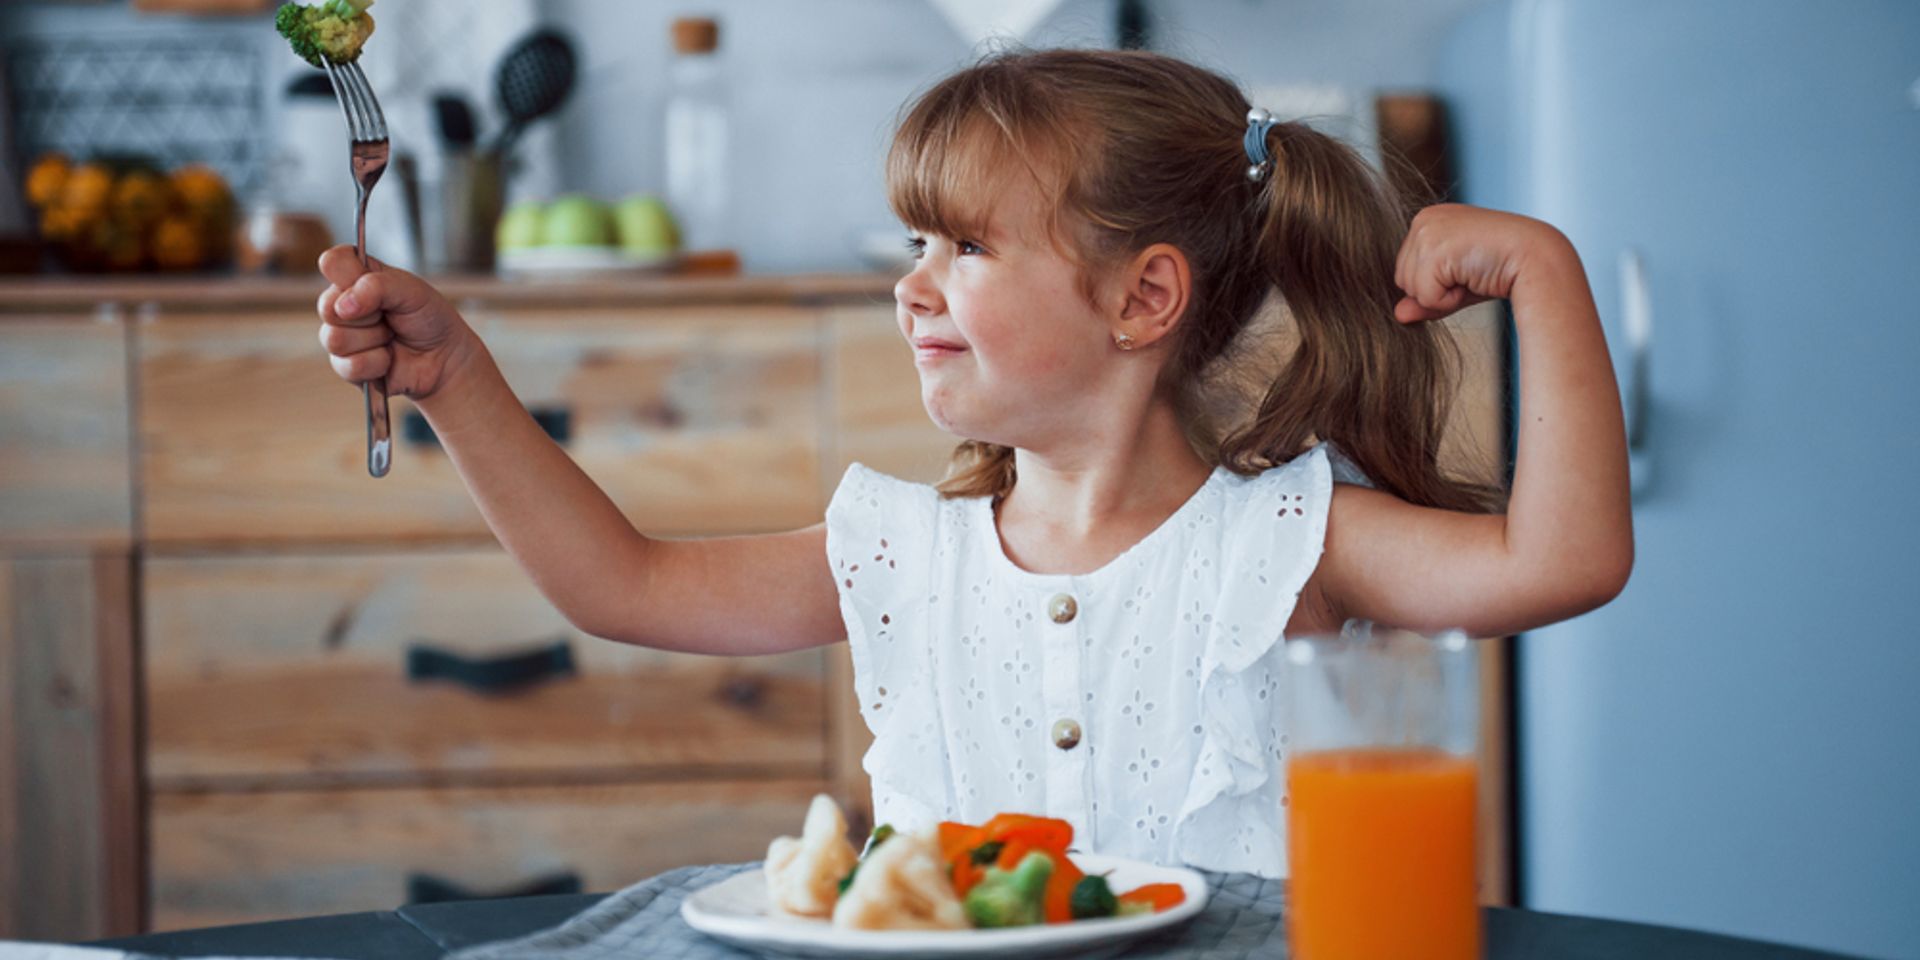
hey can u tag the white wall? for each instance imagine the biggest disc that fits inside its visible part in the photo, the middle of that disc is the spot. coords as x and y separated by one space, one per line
818 84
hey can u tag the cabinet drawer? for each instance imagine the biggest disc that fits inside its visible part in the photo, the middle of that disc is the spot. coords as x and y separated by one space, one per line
291 670
693 420
63 432
236 858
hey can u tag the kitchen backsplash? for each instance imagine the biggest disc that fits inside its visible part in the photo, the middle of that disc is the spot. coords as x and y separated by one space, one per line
816 85
175 98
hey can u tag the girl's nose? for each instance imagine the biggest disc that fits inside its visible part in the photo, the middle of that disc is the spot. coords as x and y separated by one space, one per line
917 294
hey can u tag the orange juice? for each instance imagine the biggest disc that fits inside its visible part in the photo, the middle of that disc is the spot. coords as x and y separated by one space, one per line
1380 850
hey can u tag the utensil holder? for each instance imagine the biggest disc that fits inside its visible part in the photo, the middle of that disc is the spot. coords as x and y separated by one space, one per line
473 191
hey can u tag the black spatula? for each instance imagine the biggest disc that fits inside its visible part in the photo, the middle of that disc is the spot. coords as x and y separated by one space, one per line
533 80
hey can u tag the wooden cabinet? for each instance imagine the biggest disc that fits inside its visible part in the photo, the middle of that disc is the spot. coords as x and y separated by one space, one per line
70 825
418 667
242 680
69 799
65 478
230 857
695 420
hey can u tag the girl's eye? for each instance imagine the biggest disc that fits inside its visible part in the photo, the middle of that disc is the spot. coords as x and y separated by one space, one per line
917 247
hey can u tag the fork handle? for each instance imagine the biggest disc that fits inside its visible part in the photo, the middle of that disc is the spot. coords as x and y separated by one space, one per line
379 427
379 422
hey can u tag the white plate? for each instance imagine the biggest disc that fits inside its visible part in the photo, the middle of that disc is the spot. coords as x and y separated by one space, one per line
559 263
737 911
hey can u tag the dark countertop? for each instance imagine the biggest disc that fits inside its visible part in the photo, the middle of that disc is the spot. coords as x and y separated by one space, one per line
435 929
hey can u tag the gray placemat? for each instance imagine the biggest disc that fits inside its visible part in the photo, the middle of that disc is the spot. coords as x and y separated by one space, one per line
1241 920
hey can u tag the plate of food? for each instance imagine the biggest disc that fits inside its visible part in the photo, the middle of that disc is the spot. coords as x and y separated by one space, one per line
1012 886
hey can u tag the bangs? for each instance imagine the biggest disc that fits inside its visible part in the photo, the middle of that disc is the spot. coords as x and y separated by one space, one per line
962 146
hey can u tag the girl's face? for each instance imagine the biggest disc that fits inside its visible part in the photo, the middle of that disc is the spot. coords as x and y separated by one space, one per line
1008 350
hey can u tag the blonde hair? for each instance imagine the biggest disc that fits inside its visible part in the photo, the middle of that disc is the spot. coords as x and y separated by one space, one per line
1137 148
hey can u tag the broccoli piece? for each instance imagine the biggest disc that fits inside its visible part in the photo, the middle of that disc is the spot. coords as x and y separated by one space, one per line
1092 898
332 31
986 853
879 836
1011 898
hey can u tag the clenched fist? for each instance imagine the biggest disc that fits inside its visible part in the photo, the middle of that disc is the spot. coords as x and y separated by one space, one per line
389 323
1456 256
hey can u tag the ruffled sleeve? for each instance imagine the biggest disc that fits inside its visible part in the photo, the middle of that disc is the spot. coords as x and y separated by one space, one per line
880 535
1230 820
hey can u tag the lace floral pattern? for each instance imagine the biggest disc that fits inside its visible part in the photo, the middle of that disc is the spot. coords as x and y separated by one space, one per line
1167 664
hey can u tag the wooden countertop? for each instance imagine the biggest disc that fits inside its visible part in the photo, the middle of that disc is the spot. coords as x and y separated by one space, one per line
66 293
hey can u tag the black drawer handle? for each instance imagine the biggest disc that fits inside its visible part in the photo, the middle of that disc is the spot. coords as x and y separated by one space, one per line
427 888
505 674
556 421
746 693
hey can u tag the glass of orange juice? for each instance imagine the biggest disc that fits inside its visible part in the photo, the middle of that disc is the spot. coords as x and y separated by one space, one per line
1381 791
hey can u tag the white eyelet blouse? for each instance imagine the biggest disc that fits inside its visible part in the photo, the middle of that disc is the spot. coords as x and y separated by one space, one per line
1143 702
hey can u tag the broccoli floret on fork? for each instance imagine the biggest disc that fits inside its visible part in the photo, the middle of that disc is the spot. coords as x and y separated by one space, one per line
332 31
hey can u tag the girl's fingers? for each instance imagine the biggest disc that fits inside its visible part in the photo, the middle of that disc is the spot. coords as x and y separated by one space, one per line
1403 266
335 309
363 302
344 341
1409 310
1453 300
363 366
359 297
341 266
1427 288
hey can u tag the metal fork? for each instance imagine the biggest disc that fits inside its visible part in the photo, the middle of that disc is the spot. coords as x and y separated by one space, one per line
368 152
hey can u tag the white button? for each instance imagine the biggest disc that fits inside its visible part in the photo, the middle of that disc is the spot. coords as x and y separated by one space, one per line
1062 608
1066 734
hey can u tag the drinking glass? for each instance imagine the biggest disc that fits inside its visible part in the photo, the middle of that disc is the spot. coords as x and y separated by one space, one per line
1382 785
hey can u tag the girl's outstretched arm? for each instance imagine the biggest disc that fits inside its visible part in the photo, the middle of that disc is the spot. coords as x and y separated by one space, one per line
731 596
1565 544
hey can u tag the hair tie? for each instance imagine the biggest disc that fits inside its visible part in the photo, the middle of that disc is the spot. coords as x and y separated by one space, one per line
1258 123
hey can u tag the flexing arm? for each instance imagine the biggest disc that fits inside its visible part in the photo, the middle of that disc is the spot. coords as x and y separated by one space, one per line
734 595
1565 545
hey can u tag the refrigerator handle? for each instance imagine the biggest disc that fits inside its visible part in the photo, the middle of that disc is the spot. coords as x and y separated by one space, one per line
1636 312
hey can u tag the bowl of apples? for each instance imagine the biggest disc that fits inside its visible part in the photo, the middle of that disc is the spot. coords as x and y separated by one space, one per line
578 236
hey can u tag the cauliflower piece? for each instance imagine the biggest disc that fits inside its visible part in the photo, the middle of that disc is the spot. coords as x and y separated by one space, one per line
803 876
902 885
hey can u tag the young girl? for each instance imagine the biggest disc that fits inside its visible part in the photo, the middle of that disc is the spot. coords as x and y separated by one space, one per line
1083 620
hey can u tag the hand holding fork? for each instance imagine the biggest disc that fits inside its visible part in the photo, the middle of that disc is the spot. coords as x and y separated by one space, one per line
368 151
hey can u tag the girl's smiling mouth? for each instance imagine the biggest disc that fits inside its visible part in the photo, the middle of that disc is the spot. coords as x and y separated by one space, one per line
933 348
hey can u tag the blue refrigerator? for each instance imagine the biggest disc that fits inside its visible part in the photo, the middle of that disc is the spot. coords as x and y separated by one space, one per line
1734 743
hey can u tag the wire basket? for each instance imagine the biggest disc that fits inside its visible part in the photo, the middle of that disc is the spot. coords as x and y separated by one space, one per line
171 100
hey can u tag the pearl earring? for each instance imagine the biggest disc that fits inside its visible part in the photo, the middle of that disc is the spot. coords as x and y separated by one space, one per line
1123 341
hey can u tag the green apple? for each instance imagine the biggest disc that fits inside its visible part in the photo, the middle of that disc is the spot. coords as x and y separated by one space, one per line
519 227
577 220
646 226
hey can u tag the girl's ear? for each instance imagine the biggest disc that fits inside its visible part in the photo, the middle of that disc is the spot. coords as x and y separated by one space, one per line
1154 292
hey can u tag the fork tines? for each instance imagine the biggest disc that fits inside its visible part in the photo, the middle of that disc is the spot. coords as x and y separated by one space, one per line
365 122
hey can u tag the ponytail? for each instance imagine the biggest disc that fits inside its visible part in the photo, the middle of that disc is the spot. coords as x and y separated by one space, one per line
1330 233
